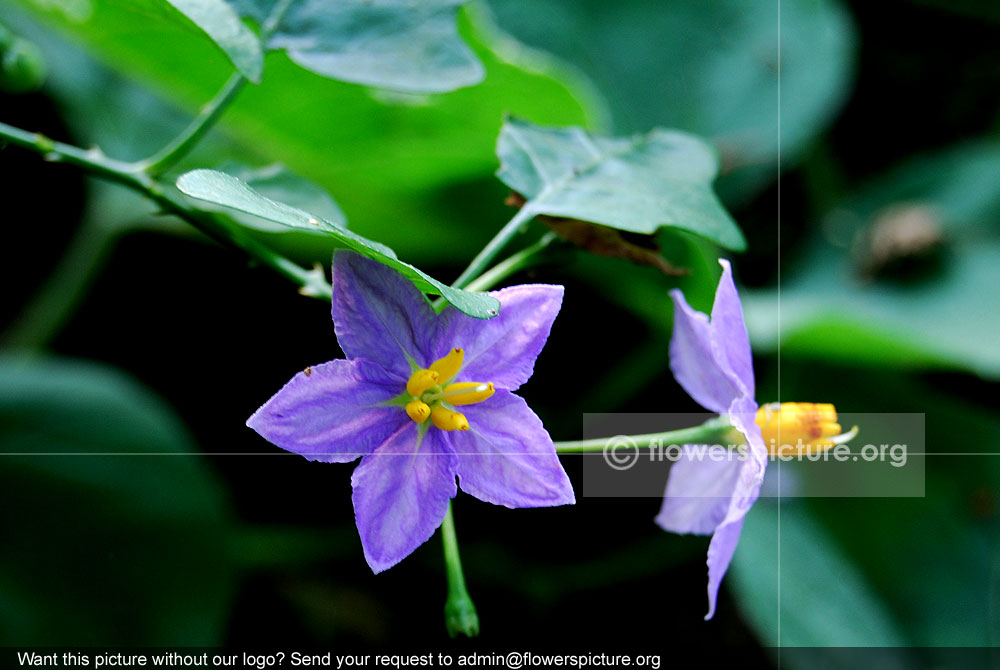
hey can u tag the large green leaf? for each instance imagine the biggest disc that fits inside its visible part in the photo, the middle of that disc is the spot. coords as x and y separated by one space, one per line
104 494
405 168
827 306
637 184
710 67
393 44
799 590
221 23
222 189
397 44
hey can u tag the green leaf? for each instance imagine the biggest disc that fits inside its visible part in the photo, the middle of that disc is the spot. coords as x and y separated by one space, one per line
830 307
425 160
637 184
707 66
798 575
221 23
392 44
104 494
228 191
395 44
276 183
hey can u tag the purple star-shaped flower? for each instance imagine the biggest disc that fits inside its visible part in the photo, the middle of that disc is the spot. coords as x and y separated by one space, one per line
711 359
395 402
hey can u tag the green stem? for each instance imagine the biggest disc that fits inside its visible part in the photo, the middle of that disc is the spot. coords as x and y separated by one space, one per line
181 145
273 19
524 258
92 160
459 611
712 431
311 282
495 246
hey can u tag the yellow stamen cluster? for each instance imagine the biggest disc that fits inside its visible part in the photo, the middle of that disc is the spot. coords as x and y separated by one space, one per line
431 393
800 428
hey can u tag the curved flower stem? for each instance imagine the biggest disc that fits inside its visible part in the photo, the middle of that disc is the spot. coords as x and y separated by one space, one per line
168 156
495 246
459 611
311 282
712 431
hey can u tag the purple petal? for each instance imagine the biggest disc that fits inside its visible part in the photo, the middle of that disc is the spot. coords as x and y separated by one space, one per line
332 413
401 494
699 489
708 496
693 361
503 349
727 535
720 553
712 360
507 457
729 332
378 314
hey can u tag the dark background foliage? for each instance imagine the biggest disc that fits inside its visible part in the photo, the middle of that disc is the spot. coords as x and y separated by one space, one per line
186 341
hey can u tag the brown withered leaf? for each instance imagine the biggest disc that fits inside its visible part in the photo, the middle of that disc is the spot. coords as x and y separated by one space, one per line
605 241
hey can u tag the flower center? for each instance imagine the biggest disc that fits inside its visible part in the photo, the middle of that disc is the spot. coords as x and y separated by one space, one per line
433 393
800 428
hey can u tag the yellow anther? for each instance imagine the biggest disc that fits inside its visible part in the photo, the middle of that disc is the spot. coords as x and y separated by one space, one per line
446 419
468 393
448 366
418 411
800 428
420 381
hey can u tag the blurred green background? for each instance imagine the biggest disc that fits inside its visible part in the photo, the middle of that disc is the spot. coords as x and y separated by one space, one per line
859 154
